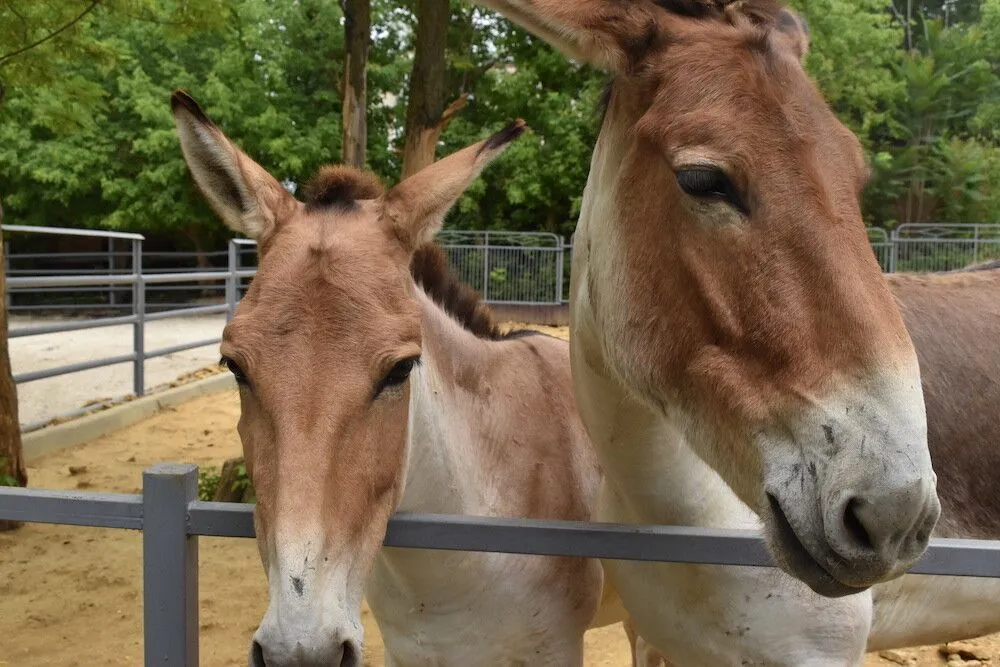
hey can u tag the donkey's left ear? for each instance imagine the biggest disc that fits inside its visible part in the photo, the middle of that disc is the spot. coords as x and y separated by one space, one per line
417 206
242 193
795 30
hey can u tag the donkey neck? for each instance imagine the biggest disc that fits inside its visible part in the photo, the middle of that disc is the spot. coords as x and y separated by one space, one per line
445 462
631 438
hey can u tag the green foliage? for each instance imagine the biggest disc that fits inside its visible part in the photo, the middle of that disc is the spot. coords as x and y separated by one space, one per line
5 479
86 137
208 482
209 478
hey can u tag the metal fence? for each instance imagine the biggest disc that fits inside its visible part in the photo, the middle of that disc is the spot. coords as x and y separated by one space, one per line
943 247
139 282
523 268
509 267
505 267
171 519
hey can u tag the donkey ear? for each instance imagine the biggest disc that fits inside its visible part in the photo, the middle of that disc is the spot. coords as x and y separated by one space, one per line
794 28
416 207
247 198
602 33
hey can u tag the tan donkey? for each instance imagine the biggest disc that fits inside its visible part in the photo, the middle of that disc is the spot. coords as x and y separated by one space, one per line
738 358
366 390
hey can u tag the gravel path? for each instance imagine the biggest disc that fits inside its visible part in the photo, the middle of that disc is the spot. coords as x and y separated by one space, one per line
44 399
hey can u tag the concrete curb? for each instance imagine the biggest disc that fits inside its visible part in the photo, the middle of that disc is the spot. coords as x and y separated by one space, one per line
77 431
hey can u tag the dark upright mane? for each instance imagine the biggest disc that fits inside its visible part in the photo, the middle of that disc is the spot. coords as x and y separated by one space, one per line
431 272
340 185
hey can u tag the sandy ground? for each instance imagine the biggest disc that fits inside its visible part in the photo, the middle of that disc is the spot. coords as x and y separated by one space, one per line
72 597
48 398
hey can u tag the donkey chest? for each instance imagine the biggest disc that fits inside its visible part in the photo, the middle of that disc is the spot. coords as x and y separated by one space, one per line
436 608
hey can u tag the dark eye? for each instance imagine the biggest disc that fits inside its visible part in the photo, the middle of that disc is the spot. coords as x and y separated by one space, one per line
398 375
241 377
710 183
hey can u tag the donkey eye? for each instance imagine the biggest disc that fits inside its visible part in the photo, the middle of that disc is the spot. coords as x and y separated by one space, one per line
241 377
710 183
398 375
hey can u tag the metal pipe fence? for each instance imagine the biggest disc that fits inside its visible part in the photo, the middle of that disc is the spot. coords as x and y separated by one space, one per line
505 267
138 282
171 519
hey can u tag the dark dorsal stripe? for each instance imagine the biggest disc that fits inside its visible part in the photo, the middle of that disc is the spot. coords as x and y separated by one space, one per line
430 270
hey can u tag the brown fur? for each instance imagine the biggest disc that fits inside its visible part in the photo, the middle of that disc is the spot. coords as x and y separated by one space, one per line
320 345
954 320
430 270
337 184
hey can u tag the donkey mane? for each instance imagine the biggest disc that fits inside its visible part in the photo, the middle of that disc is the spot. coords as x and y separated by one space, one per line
340 185
757 10
337 185
430 270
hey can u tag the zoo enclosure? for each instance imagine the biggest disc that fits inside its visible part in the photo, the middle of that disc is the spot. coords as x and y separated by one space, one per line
522 268
171 519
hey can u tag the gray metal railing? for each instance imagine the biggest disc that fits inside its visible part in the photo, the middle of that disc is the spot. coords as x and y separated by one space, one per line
171 519
139 282
505 267
523 268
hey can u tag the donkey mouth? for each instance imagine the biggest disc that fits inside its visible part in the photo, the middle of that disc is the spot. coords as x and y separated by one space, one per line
795 558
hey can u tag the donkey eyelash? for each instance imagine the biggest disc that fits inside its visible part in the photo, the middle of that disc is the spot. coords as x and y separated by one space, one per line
234 368
397 375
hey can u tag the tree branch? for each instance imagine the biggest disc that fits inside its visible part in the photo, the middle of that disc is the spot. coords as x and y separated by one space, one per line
7 56
452 111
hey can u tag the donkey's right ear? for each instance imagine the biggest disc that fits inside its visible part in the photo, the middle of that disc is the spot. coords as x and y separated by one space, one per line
247 198
603 33
795 29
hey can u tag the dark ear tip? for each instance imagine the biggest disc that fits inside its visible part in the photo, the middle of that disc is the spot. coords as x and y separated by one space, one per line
181 99
506 135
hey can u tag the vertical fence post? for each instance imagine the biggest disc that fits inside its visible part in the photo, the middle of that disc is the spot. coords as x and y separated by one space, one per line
486 267
975 246
169 566
6 270
139 327
893 251
232 280
560 259
112 289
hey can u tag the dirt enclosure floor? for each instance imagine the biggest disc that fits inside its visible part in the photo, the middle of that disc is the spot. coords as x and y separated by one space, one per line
72 597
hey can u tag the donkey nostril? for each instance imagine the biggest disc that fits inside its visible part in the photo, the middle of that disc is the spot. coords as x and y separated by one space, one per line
257 655
351 656
855 527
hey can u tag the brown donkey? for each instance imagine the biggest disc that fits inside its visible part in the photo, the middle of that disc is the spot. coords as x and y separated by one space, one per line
360 396
954 321
725 301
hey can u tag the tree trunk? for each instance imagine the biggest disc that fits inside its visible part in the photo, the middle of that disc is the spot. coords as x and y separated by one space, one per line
426 116
234 487
11 455
357 39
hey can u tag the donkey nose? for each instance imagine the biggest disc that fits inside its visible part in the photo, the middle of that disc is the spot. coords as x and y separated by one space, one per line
868 525
347 654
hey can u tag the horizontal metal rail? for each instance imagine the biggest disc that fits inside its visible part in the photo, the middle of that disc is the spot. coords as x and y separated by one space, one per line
650 543
74 368
73 281
72 326
123 278
187 312
71 508
69 231
164 351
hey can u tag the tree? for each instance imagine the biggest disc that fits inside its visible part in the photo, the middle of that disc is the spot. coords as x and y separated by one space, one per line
357 38
426 116
12 472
